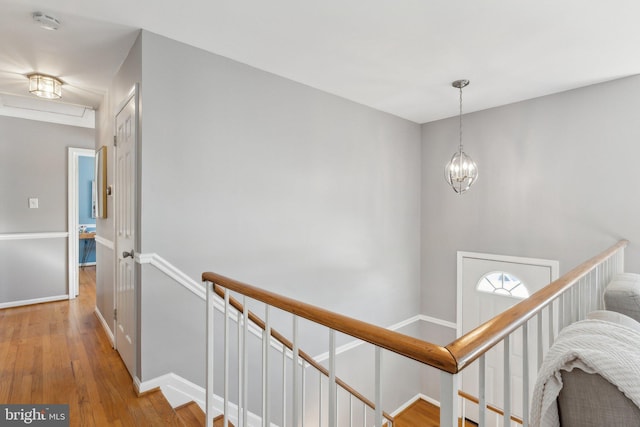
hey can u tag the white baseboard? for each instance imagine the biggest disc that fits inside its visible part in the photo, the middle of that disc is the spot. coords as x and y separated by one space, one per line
33 301
105 326
417 318
412 401
436 321
87 264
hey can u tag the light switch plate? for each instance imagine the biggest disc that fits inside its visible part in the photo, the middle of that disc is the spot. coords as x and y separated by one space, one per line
33 203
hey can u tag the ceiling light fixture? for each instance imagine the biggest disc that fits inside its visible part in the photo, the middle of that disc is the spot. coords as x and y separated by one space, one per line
461 171
45 21
45 86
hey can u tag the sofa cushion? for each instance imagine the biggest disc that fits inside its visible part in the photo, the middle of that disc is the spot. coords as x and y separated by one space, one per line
615 317
623 295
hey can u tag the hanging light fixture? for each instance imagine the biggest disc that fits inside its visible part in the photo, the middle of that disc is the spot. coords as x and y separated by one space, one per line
461 171
45 86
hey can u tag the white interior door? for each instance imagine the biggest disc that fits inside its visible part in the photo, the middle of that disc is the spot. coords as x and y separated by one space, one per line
489 285
126 232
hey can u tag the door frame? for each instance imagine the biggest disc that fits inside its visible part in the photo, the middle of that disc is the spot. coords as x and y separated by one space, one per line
553 265
73 220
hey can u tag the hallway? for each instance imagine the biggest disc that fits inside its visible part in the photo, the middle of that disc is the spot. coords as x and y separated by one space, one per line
58 353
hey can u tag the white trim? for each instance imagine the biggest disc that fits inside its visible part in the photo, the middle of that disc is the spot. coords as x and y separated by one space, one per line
439 322
73 221
412 401
105 326
105 242
553 265
173 272
33 236
357 343
86 119
33 301
87 264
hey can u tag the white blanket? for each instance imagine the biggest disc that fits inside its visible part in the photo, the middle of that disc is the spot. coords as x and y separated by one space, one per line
595 346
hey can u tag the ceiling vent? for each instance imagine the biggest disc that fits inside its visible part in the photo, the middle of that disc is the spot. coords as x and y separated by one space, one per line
45 21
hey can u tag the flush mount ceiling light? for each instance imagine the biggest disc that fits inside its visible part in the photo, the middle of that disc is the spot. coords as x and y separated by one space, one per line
461 171
45 21
45 86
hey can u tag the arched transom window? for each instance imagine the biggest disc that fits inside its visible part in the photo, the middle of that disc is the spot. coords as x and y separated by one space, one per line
503 283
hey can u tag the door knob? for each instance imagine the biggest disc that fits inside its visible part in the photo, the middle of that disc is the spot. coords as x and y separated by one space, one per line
128 254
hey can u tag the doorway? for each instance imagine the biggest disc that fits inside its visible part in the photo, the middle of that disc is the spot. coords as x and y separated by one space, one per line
488 285
81 225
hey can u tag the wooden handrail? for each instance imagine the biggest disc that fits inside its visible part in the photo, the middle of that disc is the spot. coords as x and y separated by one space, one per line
451 358
303 355
472 345
413 348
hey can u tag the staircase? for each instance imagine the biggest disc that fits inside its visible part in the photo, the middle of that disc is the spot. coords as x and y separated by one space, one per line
192 416
538 320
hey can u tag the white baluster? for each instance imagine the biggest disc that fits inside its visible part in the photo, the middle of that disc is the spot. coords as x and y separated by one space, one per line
320 400
551 331
364 414
378 386
210 335
525 374
350 410
482 396
284 386
333 415
304 383
448 399
245 363
539 330
599 304
226 358
561 312
266 341
296 374
240 373
507 380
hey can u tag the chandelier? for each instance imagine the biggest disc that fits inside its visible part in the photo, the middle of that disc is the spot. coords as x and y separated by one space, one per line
461 171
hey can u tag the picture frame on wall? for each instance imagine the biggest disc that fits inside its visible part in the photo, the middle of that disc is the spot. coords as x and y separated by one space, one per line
100 204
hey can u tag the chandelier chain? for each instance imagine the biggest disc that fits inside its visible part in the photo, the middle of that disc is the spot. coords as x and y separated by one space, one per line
460 119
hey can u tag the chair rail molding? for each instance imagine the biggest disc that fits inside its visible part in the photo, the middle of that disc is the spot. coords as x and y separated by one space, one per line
33 236
105 242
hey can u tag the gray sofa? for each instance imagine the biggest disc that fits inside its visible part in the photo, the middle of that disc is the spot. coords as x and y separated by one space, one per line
589 399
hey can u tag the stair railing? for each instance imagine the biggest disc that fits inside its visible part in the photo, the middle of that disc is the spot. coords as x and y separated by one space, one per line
538 319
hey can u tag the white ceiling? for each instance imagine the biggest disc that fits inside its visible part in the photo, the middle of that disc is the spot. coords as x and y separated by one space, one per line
398 56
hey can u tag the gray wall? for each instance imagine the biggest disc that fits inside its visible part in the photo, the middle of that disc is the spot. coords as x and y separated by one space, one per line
557 177
276 184
33 163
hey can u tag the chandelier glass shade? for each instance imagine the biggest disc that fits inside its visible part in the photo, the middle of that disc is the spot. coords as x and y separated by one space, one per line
461 171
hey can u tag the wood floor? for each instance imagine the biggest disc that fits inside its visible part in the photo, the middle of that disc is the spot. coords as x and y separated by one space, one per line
58 353
422 413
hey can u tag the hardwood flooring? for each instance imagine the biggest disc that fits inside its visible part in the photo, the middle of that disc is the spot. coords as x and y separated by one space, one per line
58 353
424 414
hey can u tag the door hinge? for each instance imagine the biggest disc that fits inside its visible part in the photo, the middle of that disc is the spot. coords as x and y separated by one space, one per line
115 314
115 140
